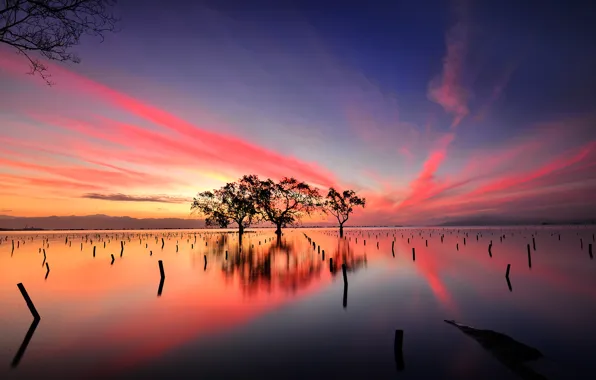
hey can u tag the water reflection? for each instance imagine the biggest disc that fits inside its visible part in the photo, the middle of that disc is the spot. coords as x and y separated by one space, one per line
160 288
260 289
286 264
21 351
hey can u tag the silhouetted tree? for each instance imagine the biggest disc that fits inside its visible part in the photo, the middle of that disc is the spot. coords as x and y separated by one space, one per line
233 203
285 202
341 205
51 28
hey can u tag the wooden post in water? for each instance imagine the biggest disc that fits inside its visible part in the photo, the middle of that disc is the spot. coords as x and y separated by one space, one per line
590 250
162 243
529 258
507 278
48 270
121 247
344 271
205 256
413 254
581 243
398 349
393 248
161 271
30 304
331 264
534 243
112 263
490 246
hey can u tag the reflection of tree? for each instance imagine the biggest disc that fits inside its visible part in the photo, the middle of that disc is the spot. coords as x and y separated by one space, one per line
278 265
345 254
284 265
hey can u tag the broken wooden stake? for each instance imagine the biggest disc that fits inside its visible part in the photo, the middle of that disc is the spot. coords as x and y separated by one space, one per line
30 304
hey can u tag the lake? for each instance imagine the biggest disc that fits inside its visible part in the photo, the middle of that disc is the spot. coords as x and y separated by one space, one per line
280 310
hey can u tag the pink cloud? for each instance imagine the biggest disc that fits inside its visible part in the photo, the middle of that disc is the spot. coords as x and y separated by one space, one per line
425 184
224 148
447 90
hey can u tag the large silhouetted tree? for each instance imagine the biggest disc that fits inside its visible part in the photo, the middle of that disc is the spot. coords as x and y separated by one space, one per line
233 203
50 28
341 205
285 202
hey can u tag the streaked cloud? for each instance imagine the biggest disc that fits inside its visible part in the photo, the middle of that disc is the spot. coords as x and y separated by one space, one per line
447 89
137 198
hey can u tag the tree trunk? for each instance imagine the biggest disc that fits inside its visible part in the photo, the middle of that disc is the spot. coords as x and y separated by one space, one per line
240 232
278 233
341 230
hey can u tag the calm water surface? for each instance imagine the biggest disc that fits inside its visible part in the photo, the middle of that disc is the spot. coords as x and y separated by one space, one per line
273 311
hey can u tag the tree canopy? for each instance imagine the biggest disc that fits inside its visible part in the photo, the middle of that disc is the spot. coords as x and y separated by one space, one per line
50 28
233 203
285 202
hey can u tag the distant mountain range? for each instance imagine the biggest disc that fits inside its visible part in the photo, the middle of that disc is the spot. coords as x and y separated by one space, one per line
94 222
106 222
485 221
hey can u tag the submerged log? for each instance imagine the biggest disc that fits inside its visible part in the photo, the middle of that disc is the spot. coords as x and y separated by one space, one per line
508 351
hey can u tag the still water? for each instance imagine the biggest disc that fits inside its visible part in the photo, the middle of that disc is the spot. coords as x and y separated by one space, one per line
280 310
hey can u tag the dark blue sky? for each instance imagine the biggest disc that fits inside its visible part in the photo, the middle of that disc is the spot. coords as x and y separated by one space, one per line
543 53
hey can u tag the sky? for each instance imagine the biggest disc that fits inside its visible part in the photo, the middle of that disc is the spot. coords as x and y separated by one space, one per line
432 110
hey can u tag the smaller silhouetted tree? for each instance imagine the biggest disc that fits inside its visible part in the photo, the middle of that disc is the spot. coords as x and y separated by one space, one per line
341 205
233 203
285 202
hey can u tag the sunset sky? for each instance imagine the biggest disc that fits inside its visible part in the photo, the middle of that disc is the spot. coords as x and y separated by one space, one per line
432 110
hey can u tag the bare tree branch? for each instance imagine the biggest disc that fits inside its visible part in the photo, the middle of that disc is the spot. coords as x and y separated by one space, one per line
50 28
